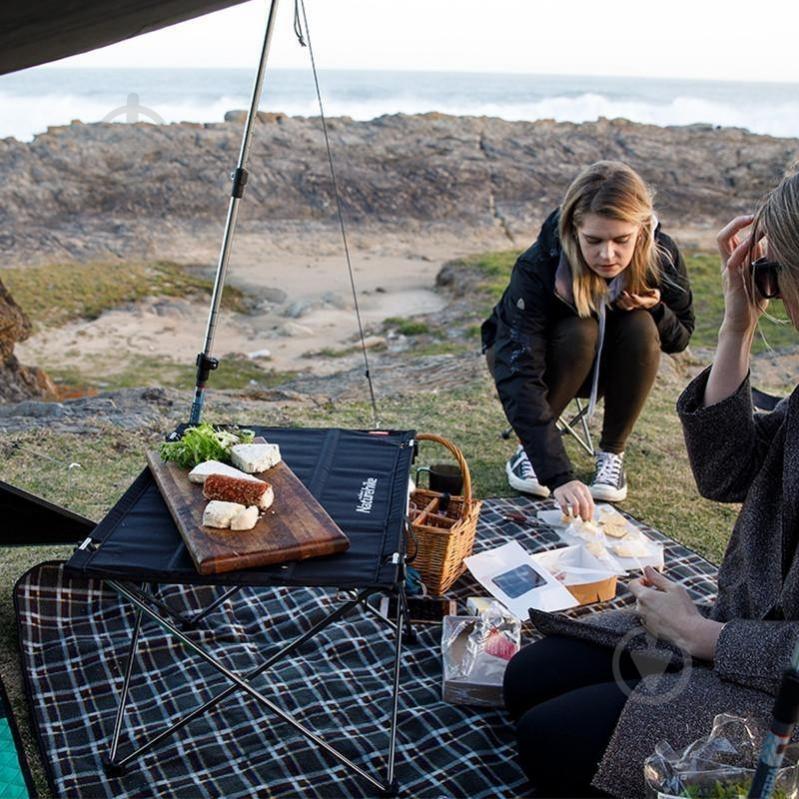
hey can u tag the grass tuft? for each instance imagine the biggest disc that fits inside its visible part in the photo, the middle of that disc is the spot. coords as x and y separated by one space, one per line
406 327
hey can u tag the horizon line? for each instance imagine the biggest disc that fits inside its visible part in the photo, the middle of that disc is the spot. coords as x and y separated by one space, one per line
69 67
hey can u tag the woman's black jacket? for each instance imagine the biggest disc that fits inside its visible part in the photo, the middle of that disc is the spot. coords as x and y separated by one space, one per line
518 329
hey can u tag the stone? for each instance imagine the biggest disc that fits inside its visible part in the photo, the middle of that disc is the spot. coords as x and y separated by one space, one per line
18 382
298 309
334 300
274 295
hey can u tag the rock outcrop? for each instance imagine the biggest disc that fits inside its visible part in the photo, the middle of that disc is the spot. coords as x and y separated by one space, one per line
17 382
82 191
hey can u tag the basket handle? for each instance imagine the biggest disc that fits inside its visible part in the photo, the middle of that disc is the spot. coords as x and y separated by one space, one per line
464 467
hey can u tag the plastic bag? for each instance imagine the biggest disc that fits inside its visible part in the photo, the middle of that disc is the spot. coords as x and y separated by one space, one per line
720 766
476 651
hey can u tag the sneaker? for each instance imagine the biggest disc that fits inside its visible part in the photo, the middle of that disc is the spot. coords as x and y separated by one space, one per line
521 475
609 483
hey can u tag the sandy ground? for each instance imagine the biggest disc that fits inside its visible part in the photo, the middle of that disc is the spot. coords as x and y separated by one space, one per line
304 304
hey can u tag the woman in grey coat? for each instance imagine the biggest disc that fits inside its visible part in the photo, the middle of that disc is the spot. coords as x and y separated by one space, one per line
728 657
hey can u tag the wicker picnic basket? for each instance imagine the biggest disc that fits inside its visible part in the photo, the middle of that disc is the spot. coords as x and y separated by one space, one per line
444 530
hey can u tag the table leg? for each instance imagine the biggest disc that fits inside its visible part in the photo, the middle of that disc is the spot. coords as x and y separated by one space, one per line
123 699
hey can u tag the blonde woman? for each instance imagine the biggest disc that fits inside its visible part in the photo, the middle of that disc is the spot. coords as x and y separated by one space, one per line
590 306
725 658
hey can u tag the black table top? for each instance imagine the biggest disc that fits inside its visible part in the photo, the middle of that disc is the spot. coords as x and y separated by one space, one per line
359 477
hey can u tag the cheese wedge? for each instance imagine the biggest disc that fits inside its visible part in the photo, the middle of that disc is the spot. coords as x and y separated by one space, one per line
255 458
202 470
220 514
245 519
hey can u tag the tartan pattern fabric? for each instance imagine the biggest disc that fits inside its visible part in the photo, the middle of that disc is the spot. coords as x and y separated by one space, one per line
75 634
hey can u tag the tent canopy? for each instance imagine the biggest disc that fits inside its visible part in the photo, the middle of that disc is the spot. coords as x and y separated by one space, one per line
34 32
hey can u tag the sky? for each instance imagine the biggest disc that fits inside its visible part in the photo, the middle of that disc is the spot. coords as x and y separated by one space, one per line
702 39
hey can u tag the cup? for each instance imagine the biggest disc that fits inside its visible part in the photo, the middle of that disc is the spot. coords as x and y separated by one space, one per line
446 478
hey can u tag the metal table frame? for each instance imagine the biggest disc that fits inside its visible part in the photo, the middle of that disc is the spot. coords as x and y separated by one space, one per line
147 603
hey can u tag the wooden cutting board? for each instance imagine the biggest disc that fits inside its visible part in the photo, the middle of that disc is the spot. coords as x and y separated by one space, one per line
294 528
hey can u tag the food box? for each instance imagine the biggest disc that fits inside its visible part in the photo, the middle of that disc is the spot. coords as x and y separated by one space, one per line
472 675
586 577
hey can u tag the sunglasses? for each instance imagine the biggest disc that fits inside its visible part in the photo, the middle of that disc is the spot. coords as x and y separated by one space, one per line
764 277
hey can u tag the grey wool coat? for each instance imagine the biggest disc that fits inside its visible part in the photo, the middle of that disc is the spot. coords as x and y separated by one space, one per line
736 457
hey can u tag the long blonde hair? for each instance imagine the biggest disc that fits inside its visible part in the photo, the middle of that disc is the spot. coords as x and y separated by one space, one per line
778 219
614 190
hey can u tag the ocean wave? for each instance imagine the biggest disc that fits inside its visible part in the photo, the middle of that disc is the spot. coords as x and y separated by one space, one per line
26 115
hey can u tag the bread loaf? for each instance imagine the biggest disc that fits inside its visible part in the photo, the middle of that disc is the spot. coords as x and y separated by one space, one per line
243 491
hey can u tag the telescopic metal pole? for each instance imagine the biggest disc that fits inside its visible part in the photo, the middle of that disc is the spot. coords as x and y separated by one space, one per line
784 718
205 363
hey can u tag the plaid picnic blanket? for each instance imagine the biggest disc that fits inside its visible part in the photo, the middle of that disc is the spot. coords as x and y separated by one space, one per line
74 636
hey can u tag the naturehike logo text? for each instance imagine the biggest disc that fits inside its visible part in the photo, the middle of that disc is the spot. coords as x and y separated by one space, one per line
366 496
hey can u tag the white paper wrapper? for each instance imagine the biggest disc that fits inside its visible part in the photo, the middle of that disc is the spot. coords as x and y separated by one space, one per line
511 575
575 564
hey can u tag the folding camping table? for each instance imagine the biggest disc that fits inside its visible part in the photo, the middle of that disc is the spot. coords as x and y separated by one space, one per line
359 477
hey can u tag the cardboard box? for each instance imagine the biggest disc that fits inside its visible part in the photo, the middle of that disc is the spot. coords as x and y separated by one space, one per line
587 578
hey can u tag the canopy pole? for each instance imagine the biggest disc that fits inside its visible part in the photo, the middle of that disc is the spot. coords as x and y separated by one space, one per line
205 362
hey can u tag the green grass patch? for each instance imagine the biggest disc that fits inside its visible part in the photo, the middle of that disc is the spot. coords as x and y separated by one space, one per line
332 352
407 327
59 293
441 348
493 273
233 373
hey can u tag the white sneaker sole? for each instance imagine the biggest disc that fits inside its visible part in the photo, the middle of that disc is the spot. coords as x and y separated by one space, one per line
536 489
606 493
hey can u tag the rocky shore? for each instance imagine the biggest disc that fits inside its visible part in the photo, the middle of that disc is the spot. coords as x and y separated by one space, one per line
412 187
142 190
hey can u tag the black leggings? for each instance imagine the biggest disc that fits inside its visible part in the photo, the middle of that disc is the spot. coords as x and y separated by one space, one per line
630 360
565 701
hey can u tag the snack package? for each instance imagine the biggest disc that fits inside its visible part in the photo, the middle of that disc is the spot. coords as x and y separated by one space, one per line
623 542
720 765
475 652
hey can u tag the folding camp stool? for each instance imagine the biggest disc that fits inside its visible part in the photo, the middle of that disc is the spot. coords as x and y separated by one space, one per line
137 544
568 425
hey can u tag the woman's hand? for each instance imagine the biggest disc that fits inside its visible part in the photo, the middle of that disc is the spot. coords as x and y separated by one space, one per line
740 315
646 300
667 611
575 499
